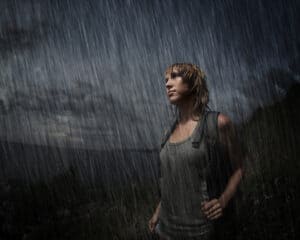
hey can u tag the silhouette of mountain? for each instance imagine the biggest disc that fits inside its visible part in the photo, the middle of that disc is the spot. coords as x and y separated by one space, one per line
274 130
111 168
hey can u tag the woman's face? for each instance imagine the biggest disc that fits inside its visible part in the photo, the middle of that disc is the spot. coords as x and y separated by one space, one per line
177 90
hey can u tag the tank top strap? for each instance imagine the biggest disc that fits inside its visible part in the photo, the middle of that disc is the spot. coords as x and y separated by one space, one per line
167 133
199 133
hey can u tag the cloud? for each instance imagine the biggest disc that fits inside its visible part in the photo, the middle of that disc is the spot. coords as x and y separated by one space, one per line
13 38
23 25
79 115
88 72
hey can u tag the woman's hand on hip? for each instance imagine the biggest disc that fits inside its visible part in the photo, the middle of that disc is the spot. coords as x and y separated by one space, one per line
152 222
212 209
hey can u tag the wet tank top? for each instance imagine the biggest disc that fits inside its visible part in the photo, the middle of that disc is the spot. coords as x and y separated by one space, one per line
183 188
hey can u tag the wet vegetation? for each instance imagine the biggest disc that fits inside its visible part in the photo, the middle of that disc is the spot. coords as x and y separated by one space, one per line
270 207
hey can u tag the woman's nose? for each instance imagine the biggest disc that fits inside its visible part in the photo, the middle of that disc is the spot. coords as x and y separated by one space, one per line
168 84
168 87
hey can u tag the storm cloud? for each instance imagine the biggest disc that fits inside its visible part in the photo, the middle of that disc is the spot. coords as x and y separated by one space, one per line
90 74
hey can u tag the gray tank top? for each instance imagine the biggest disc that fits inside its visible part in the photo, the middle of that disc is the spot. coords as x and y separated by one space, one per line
183 188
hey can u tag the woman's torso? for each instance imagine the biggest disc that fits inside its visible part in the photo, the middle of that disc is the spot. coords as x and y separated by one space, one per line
183 188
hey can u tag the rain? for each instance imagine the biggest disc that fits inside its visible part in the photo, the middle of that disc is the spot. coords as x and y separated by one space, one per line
83 108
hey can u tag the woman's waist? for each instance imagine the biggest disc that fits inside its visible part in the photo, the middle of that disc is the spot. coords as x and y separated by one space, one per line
184 220
176 225
180 193
184 214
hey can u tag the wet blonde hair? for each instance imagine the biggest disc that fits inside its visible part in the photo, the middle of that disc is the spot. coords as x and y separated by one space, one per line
196 80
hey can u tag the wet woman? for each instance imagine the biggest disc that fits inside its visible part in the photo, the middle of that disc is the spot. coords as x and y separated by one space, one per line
187 209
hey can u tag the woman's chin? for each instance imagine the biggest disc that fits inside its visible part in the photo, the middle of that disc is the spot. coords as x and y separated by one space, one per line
173 101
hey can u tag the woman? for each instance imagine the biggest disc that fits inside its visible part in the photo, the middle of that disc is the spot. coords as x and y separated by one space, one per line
186 209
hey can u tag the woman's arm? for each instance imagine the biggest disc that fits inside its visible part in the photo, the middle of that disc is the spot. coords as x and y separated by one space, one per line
154 219
228 138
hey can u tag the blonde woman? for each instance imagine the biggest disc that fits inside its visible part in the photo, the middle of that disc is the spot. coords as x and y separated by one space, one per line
200 166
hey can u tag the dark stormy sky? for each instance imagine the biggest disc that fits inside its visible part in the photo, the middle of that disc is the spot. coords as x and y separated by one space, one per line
90 73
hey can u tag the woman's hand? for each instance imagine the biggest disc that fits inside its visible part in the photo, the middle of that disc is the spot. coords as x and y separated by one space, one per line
152 222
213 209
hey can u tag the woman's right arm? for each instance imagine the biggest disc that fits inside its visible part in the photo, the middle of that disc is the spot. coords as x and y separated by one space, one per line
154 219
157 208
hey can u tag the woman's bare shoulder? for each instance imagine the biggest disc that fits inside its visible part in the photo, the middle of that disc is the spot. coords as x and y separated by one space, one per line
224 122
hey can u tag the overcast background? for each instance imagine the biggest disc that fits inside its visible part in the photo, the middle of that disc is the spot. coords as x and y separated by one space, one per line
89 74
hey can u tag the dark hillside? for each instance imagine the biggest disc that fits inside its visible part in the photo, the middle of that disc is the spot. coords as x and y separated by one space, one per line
270 209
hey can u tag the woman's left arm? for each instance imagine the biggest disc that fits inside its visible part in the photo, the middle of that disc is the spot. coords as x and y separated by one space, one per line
228 138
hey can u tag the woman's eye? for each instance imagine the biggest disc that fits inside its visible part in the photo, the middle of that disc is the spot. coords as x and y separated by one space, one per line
175 74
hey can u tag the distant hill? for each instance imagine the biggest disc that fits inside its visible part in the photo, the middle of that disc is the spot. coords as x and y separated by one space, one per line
108 168
272 134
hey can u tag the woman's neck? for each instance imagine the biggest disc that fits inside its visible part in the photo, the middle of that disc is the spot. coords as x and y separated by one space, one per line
186 112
